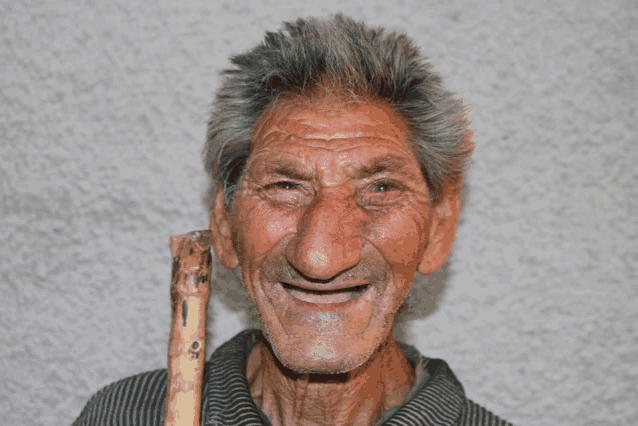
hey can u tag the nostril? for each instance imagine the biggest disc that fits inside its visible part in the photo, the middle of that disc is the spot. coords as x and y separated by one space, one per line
319 252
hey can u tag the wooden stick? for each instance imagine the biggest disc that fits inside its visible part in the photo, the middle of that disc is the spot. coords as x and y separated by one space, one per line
190 290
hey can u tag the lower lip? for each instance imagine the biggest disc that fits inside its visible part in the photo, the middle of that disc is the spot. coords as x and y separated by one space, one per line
360 296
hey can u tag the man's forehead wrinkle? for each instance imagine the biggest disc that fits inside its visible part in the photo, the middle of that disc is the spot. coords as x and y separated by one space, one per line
361 138
330 144
308 125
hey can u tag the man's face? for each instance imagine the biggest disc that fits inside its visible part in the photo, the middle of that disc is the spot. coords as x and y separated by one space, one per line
330 223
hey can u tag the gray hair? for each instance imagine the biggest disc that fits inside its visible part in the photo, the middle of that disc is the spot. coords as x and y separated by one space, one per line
359 61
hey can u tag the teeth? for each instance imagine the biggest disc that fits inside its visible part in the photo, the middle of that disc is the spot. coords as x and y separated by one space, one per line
326 297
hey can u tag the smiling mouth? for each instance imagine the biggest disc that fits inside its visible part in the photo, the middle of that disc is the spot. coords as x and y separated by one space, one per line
325 297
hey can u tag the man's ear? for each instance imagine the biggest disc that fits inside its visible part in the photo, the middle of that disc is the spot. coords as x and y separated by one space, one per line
442 232
222 233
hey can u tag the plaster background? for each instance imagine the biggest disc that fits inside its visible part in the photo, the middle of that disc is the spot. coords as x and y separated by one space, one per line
103 108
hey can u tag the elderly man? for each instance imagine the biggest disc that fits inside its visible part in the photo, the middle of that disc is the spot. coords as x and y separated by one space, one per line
336 160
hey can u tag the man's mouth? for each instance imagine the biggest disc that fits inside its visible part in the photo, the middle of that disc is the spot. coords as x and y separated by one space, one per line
325 297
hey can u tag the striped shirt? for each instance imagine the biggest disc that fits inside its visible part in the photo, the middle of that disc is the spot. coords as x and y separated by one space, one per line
140 400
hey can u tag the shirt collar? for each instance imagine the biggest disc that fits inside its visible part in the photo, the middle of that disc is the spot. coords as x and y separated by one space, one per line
436 399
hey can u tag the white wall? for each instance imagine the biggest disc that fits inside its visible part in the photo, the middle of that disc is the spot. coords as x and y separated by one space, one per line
102 119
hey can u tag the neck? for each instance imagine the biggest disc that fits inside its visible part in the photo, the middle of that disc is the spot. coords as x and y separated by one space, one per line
358 397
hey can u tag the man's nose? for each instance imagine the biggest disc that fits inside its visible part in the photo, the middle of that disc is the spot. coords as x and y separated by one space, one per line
328 239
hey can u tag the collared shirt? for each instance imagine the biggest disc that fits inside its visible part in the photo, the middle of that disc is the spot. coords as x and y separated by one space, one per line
437 399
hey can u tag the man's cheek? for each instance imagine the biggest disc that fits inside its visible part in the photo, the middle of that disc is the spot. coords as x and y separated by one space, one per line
263 229
399 240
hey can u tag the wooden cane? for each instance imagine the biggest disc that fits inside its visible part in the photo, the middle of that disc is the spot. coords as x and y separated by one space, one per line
190 290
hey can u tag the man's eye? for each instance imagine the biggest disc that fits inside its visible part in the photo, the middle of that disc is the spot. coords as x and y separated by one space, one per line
382 193
285 193
283 185
384 187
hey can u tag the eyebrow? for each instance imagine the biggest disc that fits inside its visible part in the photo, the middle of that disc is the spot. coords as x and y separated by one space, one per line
287 170
379 165
385 164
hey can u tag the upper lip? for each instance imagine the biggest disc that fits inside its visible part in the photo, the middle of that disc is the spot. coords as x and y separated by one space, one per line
315 287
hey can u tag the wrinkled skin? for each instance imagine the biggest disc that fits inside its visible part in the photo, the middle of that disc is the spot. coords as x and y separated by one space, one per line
329 226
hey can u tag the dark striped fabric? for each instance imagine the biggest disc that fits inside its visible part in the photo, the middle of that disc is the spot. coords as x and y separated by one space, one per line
140 400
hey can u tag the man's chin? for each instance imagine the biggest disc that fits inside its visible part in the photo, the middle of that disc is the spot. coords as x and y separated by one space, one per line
322 359
317 354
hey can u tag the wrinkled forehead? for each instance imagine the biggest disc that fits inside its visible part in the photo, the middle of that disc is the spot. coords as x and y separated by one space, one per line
332 140
329 117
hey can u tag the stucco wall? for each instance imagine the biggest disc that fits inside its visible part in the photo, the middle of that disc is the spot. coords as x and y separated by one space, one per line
102 119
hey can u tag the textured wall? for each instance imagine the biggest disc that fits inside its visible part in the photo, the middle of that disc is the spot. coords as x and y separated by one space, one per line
103 111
